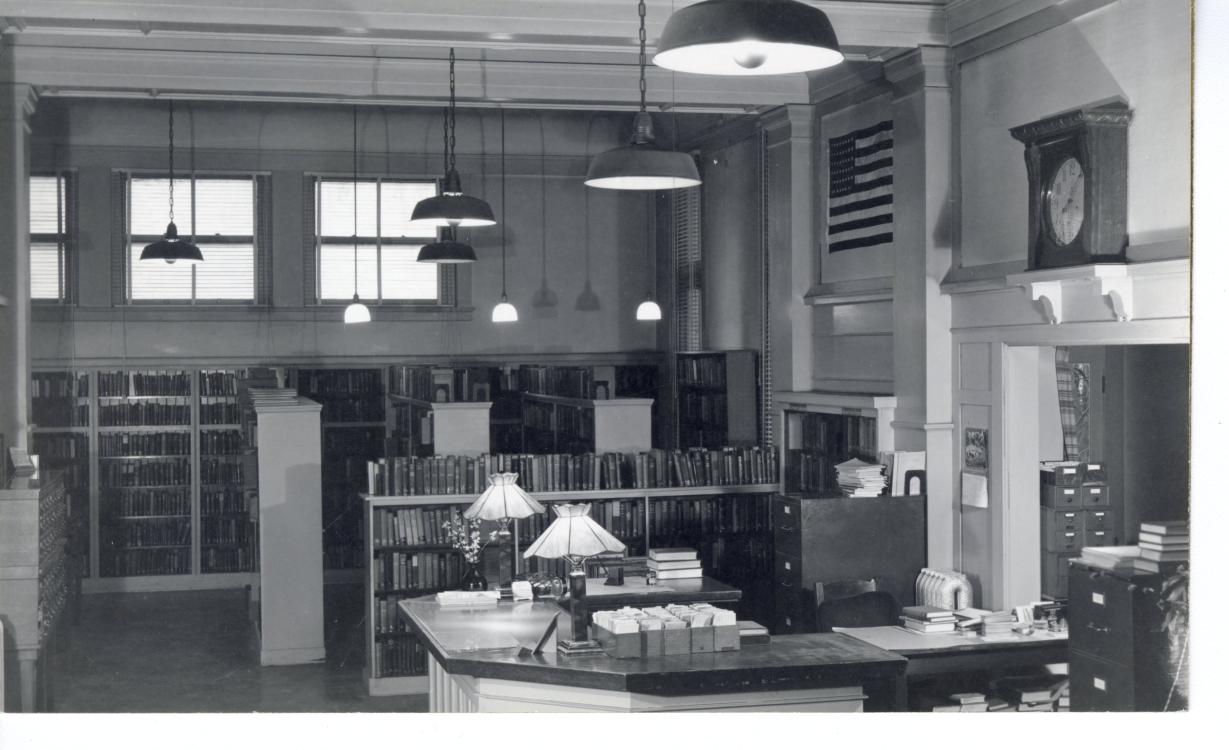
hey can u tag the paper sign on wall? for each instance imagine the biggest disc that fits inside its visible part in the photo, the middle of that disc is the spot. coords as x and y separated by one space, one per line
973 490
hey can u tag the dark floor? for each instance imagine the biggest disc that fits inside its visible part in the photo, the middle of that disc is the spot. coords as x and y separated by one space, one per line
196 652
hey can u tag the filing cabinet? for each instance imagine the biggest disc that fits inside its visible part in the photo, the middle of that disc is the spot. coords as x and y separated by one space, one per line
1119 649
1064 532
836 538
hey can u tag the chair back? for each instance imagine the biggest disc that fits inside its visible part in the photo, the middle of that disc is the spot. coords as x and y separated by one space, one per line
827 590
864 610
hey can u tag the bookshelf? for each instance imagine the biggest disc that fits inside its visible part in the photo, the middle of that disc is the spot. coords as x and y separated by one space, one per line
730 525
353 423
60 408
821 430
145 467
716 399
227 539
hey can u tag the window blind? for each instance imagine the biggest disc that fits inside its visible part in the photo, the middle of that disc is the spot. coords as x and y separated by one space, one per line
48 237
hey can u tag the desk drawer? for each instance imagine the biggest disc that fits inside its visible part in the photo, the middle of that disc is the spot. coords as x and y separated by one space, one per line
1101 615
787 526
1099 685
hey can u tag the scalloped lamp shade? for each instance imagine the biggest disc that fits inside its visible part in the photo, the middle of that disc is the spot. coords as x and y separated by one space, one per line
747 38
503 499
573 535
648 310
172 249
357 312
504 312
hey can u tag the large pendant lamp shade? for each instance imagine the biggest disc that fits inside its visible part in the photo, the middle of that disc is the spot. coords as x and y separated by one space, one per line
747 38
641 165
356 311
451 208
447 249
171 248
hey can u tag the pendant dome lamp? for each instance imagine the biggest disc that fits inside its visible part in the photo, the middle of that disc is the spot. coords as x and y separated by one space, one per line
648 310
451 208
171 248
747 38
356 311
505 311
641 165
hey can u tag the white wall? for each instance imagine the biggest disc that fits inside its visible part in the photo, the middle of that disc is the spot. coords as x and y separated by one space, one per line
598 235
1138 50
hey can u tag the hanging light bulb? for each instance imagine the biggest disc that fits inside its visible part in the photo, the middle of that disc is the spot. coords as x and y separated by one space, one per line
747 38
504 312
356 311
171 248
642 165
451 208
648 310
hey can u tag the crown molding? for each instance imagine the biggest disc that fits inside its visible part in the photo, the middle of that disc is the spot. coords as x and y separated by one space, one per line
924 67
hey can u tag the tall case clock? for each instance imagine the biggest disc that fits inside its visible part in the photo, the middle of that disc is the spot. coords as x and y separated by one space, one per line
1077 186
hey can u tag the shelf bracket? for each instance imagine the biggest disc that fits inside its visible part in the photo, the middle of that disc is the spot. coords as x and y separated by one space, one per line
1120 291
1050 295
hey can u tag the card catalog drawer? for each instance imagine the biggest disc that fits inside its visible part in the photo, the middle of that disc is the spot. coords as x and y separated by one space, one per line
1099 518
1094 495
1098 537
1064 541
1054 496
1060 527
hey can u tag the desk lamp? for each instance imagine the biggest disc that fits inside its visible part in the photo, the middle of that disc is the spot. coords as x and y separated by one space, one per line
574 536
502 501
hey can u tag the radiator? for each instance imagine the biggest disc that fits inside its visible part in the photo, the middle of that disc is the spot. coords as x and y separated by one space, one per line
946 589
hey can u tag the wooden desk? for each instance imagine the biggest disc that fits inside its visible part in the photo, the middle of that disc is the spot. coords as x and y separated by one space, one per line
474 665
939 653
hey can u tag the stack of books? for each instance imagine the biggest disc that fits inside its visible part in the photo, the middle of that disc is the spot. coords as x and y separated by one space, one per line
969 618
1111 558
1033 692
751 632
997 624
671 563
971 702
858 478
923 618
1163 543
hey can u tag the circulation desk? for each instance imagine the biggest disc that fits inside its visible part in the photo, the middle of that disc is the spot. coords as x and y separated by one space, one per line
475 664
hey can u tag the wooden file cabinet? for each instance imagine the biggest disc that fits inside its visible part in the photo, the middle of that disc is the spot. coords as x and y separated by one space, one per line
1119 651
839 538
1065 531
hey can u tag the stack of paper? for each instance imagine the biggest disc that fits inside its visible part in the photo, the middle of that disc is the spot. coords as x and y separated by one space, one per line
1111 558
857 478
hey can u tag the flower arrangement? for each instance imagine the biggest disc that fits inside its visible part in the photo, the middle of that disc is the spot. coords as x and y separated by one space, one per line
466 537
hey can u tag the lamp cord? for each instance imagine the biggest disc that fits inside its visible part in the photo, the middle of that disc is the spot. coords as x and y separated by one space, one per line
354 128
170 109
503 205
640 9
452 108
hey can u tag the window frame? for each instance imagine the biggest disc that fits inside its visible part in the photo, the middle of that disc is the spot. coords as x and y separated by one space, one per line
64 239
443 278
256 239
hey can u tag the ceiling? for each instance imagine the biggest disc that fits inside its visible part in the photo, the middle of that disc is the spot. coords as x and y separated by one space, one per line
576 54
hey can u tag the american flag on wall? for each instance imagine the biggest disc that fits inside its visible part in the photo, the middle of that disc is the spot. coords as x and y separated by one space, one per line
860 188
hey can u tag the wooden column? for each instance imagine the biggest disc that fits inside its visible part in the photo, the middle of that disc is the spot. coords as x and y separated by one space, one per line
17 102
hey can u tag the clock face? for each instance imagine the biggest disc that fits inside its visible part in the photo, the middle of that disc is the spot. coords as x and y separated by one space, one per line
1065 201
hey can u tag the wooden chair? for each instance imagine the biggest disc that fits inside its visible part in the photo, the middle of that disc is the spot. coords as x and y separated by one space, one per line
841 589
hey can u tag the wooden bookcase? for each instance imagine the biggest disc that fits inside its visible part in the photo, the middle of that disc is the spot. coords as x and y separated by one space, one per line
730 527
227 539
717 400
821 430
62 439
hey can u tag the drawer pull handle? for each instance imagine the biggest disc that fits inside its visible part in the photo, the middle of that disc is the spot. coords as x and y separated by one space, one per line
787 529
787 584
1097 629
1098 683
1131 587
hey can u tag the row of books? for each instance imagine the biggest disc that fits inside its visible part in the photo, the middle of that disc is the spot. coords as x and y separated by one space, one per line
149 383
220 412
414 381
148 502
75 447
142 413
570 422
703 408
839 436
218 382
546 380
385 615
145 562
415 571
399 656
441 475
228 560
324 383
410 526
47 385
221 471
352 411
144 444
697 518
148 532
222 501
221 443
708 371
145 472
45 413
232 530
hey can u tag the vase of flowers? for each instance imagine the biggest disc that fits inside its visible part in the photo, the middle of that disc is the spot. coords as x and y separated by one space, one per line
466 537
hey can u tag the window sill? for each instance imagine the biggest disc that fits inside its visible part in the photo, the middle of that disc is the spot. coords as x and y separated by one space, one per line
155 313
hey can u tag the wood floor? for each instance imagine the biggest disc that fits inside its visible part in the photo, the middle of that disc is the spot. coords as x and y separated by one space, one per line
195 651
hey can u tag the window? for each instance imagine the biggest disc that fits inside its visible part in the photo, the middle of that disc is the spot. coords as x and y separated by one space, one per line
388 268
51 236
219 214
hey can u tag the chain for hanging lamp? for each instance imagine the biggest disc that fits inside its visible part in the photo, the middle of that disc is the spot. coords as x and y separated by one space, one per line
356 311
171 248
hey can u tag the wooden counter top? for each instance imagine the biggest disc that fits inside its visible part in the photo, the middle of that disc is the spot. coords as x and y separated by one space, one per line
484 642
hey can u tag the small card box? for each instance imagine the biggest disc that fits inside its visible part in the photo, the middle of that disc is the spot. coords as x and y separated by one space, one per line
725 638
1062 474
1095 495
1058 496
676 641
653 642
702 639
618 645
